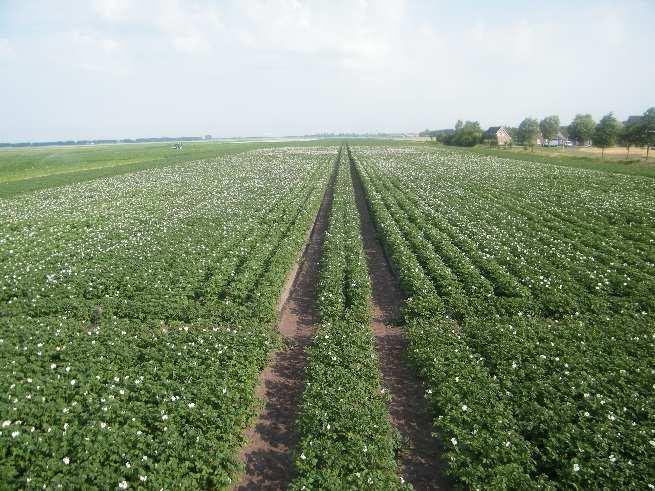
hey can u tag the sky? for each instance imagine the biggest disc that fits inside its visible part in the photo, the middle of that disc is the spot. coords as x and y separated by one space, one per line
86 69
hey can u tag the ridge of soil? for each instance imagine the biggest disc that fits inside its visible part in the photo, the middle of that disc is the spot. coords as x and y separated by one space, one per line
420 461
269 452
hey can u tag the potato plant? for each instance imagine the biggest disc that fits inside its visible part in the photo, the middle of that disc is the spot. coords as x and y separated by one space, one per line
530 315
136 314
346 438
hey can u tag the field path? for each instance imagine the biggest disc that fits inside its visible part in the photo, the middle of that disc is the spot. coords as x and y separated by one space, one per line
268 454
420 462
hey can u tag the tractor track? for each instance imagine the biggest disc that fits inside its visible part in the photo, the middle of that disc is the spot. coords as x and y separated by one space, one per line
268 455
420 461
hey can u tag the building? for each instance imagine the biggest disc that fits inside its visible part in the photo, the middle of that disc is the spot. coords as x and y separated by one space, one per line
632 120
497 134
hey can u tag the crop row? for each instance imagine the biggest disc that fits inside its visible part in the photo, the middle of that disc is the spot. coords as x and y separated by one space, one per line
562 341
200 257
557 263
477 428
129 403
136 317
346 438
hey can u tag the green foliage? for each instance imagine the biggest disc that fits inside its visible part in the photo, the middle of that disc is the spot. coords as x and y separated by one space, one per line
648 127
534 342
465 135
582 128
630 134
161 406
639 130
479 432
549 127
439 352
346 439
528 132
136 314
607 131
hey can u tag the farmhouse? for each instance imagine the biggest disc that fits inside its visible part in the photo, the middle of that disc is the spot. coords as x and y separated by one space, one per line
632 120
499 134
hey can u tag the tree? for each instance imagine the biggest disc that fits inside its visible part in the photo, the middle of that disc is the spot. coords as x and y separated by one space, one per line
606 132
630 134
647 130
528 132
427 133
468 135
549 127
582 128
464 135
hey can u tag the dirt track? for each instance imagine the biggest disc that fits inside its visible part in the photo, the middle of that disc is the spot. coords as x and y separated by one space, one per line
420 462
268 454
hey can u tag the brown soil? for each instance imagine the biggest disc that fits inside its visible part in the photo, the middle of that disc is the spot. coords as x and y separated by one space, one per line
420 462
269 452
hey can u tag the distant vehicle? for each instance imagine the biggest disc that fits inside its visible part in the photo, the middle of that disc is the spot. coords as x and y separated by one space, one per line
553 143
177 146
568 143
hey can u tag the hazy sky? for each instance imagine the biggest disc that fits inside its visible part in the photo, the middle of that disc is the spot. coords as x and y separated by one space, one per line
129 68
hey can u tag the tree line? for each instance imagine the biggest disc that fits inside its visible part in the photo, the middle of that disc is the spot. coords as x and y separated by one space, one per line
637 131
102 142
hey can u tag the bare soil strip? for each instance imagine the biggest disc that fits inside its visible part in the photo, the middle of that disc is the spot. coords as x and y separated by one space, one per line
420 462
269 452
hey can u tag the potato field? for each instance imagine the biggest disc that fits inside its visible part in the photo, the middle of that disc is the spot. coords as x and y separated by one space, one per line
139 313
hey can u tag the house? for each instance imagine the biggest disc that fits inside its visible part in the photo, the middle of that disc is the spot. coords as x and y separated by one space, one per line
497 134
632 120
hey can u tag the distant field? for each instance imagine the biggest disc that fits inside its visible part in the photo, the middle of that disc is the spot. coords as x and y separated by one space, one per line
612 153
583 158
29 169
